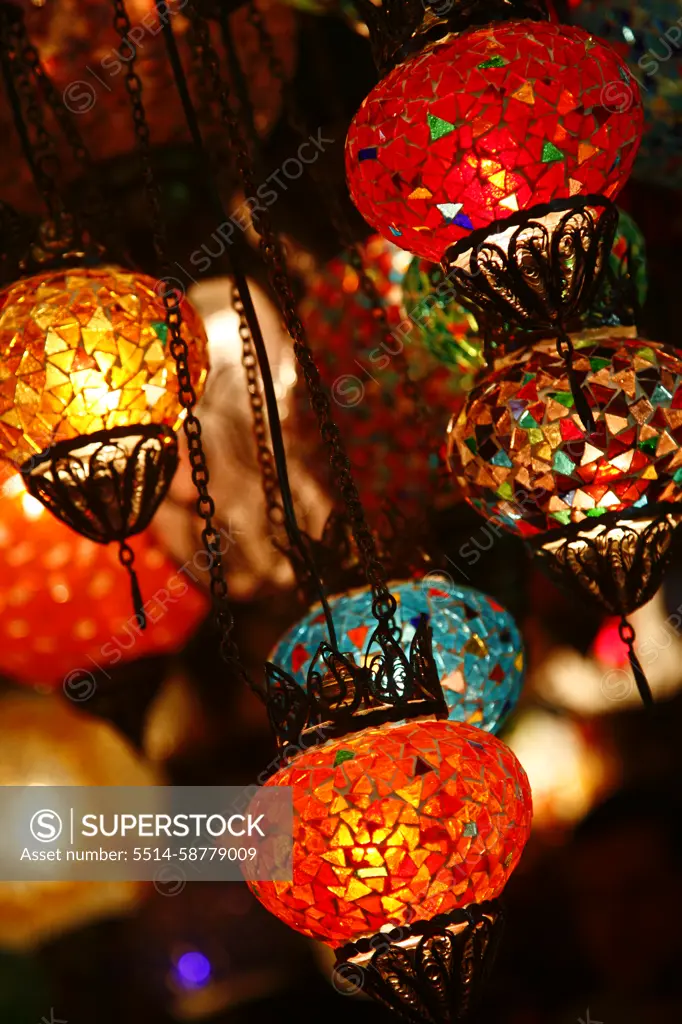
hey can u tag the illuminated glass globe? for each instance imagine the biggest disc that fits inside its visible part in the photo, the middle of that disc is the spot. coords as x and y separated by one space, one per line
643 34
84 350
65 605
497 120
523 457
47 741
476 645
397 824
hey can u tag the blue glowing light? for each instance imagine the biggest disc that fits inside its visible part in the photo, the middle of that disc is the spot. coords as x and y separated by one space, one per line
194 969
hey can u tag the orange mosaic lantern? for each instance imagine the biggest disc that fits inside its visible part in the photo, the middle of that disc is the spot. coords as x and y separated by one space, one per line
64 606
86 349
396 825
89 396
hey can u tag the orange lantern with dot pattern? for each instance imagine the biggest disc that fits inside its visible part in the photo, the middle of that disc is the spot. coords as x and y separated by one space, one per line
396 825
64 606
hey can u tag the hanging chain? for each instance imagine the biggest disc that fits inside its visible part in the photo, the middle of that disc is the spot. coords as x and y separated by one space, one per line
329 189
384 604
626 632
96 208
266 461
45 164
172 298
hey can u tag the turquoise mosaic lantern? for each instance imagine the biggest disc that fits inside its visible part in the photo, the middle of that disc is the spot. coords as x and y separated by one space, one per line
476 645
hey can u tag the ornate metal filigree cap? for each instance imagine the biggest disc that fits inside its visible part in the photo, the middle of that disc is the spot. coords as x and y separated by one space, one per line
340 696
430 972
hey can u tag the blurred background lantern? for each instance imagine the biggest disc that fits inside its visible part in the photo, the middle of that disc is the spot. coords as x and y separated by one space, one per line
570 765
398 824
65 605
255 566
45 742
496 121
599 681
645 35
476 645
392 398
521 452
83 55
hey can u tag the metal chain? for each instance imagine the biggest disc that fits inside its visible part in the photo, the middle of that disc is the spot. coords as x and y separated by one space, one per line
96 208
384 603
330 191
45 163
172 298
266 462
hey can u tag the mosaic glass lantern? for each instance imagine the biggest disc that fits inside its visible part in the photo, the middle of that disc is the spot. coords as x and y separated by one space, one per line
645 35
599 505
398 824
64 606
523 456
89 395
476 645
497 120
365 372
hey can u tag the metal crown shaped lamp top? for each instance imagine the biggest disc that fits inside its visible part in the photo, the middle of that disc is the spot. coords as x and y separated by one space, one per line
400 28
340 697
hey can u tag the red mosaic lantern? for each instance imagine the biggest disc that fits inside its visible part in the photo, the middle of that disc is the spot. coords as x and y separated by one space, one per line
398 824
497 120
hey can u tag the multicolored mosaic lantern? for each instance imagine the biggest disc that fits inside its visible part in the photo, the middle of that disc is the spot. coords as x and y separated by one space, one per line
450 331
523 456
398 824
90 396
639 34
476 645
395 457
498 120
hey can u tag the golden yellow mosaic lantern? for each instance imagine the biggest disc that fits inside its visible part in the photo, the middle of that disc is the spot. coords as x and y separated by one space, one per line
89 394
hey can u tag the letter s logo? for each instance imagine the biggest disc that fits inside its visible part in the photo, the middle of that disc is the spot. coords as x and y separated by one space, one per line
46 826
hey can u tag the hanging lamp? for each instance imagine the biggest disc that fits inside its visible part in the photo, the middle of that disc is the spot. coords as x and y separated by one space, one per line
505 170
598 506
404 834
476 646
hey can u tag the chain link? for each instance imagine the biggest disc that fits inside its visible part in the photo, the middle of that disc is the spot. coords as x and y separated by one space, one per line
45 162
329 190
384 602
266 461
172 299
